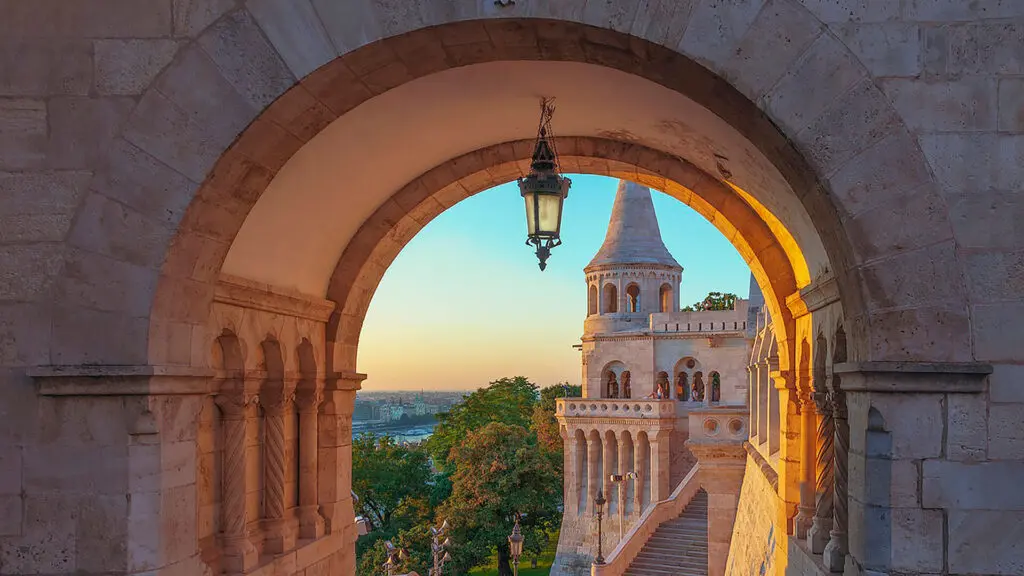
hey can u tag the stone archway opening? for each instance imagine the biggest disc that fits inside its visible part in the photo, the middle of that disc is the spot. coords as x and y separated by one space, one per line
301 217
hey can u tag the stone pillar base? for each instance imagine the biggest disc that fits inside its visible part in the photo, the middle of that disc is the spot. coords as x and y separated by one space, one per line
819 534
311 523
240 555
834 555
803 522
280 535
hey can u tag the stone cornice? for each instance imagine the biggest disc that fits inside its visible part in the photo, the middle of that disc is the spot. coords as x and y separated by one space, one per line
605 336
766 468
813 297
89 380
574 422
597 268
929 377
243 293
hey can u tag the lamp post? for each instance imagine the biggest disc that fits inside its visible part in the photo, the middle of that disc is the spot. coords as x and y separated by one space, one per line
395 557
544 190
599 503
439 548
515 546
622 479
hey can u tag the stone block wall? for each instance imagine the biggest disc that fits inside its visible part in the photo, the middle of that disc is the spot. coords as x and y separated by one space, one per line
756 540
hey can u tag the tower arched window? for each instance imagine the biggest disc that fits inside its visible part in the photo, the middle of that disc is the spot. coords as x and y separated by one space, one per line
592 299
665 297
632 298
716 387
611 299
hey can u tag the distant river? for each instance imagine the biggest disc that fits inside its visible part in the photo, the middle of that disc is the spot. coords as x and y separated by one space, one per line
414 433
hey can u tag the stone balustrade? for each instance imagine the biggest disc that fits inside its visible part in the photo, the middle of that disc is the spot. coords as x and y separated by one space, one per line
719 424
615 408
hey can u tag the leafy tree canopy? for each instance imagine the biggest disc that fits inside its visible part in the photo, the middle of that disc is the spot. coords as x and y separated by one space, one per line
544 423
393 483
714 301
500 472
507 400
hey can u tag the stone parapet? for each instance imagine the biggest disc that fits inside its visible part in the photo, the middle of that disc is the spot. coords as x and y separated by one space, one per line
647 413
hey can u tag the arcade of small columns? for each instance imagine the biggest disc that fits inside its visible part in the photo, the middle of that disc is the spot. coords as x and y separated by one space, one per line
274 436
798 427
595 450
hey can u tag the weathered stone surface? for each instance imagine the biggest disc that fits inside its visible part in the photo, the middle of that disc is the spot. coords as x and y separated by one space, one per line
925 276
45 68
853 10
112 229
90 19
24 335
129 66
954 10
780 33
916 536
27 270
830 67
997 331
883 230
966 433
1006 384
82 128
995 276
937 333
986 542
1006 431
972 486
1011 104
975 162
968 104
716 29
295 30
137 180
23 133
892 167
975 48
192 16
349 24
10 514
103 283
999 213
74 338
885 48
239 49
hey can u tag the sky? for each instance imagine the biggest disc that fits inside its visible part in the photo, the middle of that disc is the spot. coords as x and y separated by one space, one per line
464 303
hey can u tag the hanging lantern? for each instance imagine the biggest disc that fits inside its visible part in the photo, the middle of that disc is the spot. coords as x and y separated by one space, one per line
544 191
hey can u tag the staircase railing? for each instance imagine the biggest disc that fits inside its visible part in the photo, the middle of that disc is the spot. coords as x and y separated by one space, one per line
633 542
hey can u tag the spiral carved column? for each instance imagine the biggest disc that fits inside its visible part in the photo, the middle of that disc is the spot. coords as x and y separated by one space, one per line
836 549
821 526
239 553
280 523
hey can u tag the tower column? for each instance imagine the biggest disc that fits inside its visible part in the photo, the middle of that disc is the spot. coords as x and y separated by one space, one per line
593 465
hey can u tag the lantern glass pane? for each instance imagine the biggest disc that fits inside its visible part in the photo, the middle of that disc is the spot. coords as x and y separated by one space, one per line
531 214
550 212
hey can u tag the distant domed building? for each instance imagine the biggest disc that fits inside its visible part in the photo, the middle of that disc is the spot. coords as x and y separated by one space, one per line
646 366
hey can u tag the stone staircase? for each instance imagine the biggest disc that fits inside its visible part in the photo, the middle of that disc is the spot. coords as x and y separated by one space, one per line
678 547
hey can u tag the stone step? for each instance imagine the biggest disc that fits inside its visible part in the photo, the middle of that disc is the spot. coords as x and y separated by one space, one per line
689 551
670 571
650 558
678 547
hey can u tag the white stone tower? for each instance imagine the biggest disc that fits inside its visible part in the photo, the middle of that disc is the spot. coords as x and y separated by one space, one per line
633 275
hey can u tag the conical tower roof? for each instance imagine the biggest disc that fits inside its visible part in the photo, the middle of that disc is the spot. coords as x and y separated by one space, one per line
633 235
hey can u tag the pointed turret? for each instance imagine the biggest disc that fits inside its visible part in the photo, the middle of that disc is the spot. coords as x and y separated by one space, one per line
633 235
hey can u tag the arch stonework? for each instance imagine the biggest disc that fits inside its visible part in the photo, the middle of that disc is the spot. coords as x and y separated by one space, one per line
124 186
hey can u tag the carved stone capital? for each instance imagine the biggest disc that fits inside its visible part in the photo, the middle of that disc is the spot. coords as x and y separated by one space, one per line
234 403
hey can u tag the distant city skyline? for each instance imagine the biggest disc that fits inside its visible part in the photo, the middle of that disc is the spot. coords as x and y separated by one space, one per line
464 303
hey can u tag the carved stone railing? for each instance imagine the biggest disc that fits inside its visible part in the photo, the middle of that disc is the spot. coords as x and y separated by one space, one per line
633 542
615 408
719 424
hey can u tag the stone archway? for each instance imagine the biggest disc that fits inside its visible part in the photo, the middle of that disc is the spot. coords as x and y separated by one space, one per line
139 267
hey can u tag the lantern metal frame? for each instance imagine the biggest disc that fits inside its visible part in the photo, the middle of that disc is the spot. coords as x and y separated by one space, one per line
439 548
599 503
544 179
515 546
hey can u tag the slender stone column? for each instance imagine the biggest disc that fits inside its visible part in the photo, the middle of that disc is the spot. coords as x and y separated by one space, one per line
278 412
593 474
640 466
837 547
571 488
308 400
239 553
821 527
334 445
608 457
805 510
623 468
660 489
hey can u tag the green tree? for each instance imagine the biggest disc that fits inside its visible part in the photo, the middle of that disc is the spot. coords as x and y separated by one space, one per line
544 423
714 301
507 400
500 471
393 483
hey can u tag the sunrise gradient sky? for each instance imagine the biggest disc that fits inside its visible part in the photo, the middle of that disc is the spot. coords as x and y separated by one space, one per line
465 304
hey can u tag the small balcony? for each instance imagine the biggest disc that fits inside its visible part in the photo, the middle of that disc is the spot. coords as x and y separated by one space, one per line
615 408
